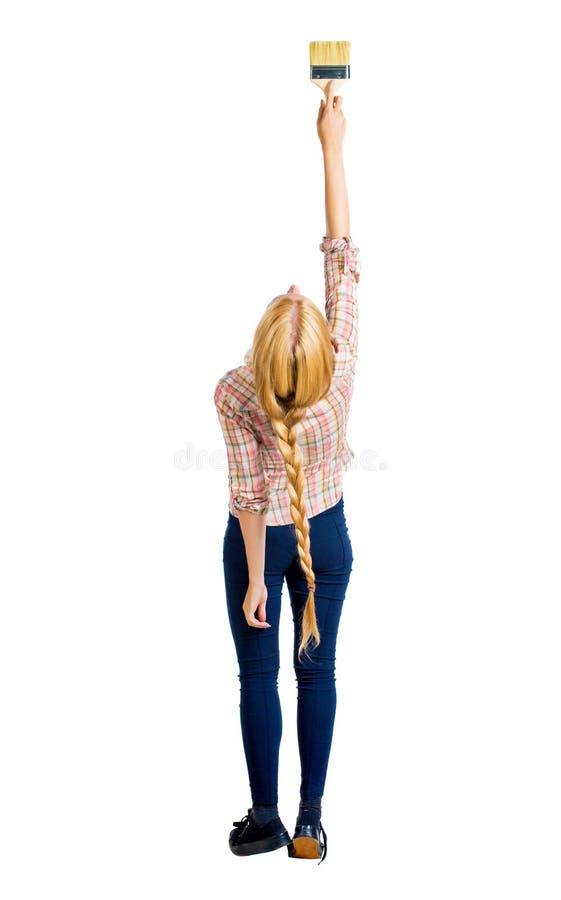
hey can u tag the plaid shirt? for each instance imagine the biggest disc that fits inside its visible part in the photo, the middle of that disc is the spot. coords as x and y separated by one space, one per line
257 475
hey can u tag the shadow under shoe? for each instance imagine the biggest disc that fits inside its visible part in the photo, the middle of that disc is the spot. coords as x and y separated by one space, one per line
248 838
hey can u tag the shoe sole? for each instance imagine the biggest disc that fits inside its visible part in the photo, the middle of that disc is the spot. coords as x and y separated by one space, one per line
304 848
264 846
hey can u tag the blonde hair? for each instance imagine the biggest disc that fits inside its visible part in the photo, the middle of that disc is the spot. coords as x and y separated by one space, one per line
292 357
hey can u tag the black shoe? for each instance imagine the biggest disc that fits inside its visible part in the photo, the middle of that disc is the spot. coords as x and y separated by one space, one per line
307 843
248 838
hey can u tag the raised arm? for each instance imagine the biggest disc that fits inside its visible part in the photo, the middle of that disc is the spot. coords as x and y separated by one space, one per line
331 126
341 263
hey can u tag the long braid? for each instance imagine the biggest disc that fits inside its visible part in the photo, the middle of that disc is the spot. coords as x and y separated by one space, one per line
292 359
285 431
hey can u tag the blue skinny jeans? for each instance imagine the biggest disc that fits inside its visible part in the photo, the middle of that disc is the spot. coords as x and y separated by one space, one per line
257 649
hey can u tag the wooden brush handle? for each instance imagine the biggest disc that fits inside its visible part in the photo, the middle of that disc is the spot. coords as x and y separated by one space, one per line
323 82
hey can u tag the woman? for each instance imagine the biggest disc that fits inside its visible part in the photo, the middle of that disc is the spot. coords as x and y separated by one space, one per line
284 416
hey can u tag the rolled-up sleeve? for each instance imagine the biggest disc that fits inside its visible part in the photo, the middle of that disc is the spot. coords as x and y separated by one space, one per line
342 273
249 489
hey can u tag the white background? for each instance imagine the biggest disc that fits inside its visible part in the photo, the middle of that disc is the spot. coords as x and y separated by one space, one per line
160 182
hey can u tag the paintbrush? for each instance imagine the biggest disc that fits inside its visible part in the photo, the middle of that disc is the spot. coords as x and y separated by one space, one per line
329 60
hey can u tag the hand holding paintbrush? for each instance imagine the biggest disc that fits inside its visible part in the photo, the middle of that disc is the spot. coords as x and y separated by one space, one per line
331 123
331 126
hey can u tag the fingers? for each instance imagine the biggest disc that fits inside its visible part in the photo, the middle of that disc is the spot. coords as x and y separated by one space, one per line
255 602
332 99
251 620
256 622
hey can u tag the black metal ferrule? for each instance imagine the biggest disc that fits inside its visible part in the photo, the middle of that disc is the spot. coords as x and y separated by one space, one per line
330 72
